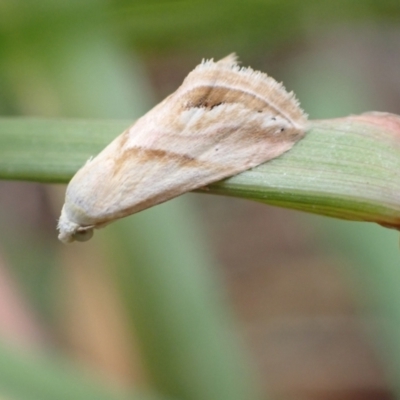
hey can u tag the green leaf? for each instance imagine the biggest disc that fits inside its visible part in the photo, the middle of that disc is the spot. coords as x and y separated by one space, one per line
46 150
345 168
25 375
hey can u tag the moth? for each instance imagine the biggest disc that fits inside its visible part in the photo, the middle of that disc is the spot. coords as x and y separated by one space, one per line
222 120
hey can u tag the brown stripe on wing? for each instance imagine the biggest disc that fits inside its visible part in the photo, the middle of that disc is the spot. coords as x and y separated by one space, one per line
202 96
145 154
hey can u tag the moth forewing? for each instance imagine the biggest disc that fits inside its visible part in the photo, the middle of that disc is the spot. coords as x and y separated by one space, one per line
221 121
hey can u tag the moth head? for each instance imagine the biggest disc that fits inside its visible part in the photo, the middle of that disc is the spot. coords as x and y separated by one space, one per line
71 231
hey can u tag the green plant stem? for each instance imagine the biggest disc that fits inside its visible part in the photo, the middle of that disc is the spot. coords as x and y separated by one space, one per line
345 168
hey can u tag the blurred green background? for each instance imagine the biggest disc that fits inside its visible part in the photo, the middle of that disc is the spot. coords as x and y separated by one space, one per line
203 297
